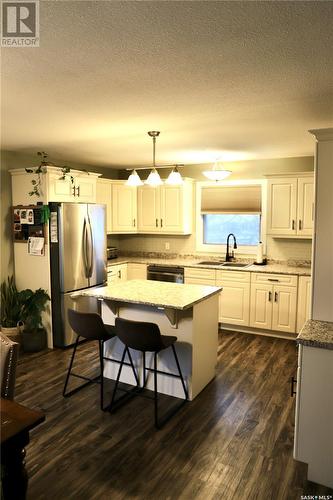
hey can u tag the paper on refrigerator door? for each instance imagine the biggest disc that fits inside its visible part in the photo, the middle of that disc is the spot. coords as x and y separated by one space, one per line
54 227
36 245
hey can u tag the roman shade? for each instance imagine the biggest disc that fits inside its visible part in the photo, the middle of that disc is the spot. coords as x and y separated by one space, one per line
231 199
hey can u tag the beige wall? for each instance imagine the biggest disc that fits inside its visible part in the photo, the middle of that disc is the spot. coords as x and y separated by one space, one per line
280 249
9 160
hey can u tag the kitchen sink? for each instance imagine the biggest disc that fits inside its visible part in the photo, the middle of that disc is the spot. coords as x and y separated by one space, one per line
222 264
210 263
234 264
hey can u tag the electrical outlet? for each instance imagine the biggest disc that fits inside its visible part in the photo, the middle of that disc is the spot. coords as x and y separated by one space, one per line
167 246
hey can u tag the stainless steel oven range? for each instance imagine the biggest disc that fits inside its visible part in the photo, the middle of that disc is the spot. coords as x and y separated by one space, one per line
165 273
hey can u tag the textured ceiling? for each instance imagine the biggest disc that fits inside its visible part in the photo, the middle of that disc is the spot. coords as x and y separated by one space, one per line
235 80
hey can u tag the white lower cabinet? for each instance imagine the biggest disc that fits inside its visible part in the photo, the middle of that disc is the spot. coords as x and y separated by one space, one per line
234 301
196 276
304 301
117 273
313 441
136 271
273 302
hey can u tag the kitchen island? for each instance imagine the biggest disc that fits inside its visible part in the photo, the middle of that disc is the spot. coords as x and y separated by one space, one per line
189 312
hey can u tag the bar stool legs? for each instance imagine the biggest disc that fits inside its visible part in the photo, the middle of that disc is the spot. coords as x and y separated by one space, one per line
159 423
99 378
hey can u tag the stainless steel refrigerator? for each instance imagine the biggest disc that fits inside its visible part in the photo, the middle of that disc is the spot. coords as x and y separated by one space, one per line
78 261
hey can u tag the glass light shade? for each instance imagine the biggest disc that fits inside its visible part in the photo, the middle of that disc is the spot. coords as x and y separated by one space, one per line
216 173
134 179
174 178
154 178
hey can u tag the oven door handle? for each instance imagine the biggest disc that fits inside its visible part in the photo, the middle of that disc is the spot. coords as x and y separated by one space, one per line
163 273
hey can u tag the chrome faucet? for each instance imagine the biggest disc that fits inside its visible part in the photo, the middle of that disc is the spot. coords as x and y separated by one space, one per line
228 257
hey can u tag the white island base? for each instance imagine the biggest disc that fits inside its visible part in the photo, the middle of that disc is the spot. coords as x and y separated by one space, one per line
196 329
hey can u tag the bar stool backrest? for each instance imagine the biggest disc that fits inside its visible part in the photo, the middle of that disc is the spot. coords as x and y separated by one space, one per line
139 335
87 325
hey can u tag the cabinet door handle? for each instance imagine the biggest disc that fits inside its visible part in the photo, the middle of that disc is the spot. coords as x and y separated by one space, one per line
74 191
269 296
293 224
300 224
156 222
275 296
292 384
134 222
273 279
161 222
119 273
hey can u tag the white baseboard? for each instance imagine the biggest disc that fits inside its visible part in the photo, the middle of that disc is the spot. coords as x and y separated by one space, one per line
256 331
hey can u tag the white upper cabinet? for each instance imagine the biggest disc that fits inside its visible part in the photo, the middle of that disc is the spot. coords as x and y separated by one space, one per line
290 206
124 208
282 197
53 188
148 209
166 209
305 206
103 196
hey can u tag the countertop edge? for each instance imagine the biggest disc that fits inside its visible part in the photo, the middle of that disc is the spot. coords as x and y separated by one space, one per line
252 268
316 333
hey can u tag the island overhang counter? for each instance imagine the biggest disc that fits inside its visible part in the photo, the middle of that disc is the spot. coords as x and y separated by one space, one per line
189 312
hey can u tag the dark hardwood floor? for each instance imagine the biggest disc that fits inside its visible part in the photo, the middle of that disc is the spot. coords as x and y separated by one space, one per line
234 441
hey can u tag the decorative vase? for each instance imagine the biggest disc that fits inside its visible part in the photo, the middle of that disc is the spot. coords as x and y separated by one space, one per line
34 341
13 333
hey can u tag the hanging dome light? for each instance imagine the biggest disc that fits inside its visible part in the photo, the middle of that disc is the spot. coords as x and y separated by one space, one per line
174 177
154 178
216 173
134 179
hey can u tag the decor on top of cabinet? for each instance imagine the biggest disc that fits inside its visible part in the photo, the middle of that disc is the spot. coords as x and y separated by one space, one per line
41 169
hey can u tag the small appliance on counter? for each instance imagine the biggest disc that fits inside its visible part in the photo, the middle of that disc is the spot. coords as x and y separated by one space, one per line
112 252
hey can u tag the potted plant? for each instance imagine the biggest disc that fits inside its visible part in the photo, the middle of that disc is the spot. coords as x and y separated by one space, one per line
10 309
33 304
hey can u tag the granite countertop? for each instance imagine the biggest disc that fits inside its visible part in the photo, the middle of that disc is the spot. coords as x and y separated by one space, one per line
316 334
153 293
274 268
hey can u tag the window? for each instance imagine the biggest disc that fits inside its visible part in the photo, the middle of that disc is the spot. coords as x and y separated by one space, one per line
237 207
246 228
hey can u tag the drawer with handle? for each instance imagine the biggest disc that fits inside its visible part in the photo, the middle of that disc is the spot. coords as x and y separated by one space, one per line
274 279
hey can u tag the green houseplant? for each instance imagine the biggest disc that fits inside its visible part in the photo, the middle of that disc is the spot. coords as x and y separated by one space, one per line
10 309
33 304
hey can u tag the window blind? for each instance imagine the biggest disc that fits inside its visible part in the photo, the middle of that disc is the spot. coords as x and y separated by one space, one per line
231 199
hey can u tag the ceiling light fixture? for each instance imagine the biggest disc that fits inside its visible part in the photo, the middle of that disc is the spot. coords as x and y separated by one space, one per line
154 178
134 179
174 177
216 173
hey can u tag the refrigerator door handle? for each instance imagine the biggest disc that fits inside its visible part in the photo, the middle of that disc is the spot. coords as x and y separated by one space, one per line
91 248
85 248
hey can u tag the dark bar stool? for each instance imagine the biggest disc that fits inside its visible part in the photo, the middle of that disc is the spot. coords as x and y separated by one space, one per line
146 337
90 326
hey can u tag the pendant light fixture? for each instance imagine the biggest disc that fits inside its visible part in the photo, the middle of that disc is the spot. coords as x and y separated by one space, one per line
134 179
216 173
174 177
154 178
